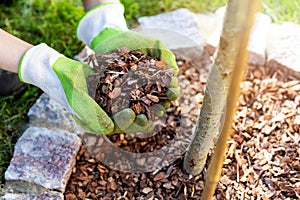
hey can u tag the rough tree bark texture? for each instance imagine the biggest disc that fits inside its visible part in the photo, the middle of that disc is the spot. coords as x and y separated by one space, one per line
210 119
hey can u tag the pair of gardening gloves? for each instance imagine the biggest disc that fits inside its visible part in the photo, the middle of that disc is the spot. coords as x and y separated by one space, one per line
103 29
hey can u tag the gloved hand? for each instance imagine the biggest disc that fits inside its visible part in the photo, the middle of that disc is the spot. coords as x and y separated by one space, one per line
104 29
65 80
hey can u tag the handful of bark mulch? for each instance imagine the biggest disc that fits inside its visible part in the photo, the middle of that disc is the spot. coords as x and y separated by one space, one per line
128 79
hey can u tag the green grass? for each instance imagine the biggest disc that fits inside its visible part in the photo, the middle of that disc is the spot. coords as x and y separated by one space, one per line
54 21
279 10
282 10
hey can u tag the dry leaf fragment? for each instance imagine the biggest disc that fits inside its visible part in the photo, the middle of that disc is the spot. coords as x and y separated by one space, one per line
113 185
115 93
161 64
137 108
153 98
70 197
159 176
147 190
167 185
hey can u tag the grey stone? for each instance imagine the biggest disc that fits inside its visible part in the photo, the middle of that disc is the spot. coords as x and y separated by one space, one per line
257 43
284 48
19 186
43 157
258 40
207 24
176 29
51 195
46 112
217 24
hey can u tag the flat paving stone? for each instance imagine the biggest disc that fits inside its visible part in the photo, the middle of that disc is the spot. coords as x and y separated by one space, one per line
48 196
258 39
43 157
46 112
284 48
176 29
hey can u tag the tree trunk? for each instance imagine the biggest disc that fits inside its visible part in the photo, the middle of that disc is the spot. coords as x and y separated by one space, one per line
210 120
248 8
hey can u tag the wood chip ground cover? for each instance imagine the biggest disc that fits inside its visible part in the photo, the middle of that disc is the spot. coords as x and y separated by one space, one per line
262 160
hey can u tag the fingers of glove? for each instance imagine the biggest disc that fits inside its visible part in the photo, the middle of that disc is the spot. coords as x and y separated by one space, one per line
173 91
166 104
173 82
158 109
135 128
126 118
158 50
73 78
172 94
123 119
141 120
170 58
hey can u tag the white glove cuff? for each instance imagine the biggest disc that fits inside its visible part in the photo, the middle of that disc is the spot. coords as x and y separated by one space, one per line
36 68
36 62
110 15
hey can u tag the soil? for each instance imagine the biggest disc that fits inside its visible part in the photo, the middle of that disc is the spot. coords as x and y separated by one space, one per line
262 159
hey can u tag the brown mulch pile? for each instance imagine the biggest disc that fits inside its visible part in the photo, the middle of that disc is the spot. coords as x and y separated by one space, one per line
128 79
262 160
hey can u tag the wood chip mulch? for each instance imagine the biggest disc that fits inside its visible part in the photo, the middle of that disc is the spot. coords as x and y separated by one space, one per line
262 160
129 79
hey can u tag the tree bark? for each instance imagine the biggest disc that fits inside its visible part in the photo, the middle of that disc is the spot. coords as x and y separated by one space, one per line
248 8
209 122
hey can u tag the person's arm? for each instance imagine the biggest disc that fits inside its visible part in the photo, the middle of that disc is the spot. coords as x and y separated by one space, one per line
12 48
11 51
51 71
88 4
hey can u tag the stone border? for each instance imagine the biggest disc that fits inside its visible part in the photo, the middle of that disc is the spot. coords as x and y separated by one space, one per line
271 45
44 155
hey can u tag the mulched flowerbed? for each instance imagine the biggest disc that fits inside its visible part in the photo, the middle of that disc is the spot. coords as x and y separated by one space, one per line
262 160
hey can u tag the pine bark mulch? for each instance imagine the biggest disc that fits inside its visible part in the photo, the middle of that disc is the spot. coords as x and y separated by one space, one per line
128 79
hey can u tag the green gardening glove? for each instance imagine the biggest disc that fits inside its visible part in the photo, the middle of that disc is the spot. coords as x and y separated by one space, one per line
65 80
104 29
